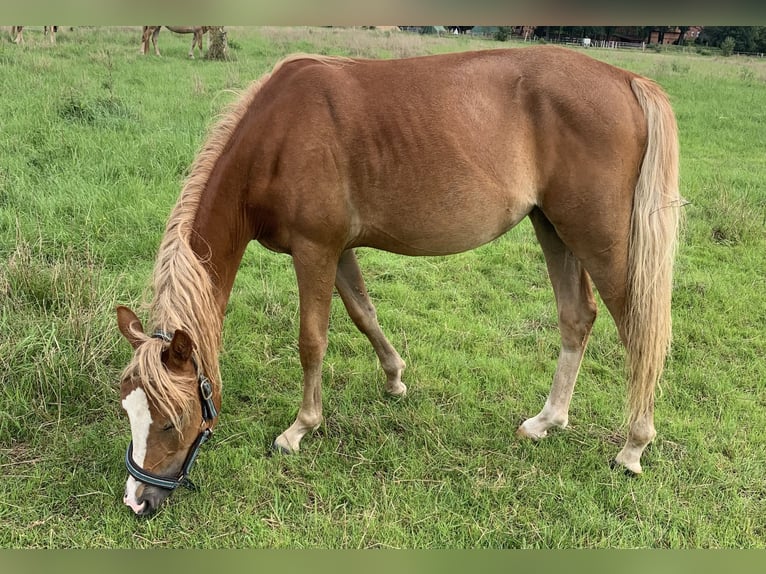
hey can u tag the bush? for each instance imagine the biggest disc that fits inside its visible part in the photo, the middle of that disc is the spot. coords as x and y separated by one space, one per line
727 46
503 33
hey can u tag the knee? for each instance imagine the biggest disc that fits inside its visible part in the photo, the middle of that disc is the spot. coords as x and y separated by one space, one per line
312 348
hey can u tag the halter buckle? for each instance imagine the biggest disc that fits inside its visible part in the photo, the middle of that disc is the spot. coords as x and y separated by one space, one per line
205 388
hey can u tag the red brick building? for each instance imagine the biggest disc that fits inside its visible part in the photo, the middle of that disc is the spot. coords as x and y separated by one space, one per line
670 35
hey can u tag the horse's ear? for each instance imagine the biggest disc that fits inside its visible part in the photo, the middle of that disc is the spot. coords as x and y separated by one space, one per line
180 350
129 326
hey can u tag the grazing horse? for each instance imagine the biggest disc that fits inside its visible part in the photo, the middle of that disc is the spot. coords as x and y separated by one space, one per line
151 33
432 155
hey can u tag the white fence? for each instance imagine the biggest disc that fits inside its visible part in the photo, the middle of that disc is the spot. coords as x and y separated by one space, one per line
589 42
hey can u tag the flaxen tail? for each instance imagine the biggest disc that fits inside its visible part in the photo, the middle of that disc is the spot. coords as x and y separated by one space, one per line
653 239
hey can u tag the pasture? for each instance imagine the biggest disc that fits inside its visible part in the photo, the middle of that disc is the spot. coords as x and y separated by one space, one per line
95 140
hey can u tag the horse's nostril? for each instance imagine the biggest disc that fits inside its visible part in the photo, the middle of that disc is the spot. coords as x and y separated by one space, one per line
150 500
136 505
144 507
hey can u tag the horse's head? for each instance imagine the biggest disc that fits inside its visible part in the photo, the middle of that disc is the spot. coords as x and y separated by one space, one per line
170 407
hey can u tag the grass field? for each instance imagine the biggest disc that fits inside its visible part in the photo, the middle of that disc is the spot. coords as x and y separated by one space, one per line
95 140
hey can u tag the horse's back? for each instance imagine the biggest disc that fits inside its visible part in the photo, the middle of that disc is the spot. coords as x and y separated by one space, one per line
474 140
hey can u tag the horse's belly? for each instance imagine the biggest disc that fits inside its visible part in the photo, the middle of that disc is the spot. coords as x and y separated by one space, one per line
438 231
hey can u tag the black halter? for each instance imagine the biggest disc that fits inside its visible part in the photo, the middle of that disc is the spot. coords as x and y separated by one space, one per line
208 414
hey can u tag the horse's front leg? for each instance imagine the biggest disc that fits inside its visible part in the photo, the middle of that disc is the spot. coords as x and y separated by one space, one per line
315 270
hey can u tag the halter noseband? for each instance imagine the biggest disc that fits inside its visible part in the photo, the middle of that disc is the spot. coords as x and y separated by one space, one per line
209 412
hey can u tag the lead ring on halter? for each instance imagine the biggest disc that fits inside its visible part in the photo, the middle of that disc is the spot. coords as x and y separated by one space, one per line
209 412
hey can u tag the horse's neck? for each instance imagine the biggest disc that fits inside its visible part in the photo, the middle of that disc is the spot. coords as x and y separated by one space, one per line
221 227
220 238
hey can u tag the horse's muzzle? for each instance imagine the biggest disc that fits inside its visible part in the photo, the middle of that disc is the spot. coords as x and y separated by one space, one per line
148 501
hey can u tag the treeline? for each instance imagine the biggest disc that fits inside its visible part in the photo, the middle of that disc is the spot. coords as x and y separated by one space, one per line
746 38
741 38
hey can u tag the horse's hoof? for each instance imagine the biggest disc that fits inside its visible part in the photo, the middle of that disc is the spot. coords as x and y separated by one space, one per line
397 391
626 471
279 449
523 433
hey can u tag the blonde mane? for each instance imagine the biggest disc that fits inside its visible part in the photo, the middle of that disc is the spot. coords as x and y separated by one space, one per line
183 293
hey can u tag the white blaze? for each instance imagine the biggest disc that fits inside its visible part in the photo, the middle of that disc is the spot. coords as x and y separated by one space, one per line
137 407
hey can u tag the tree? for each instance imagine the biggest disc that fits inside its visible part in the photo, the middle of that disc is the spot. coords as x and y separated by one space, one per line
682 35
503 33
746 38
219 46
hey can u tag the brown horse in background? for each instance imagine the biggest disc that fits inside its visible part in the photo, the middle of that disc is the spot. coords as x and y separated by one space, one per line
422 156
151 32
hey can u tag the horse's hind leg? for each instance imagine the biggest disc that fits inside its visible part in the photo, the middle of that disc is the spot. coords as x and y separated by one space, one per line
155 33
196 42
315 268
576 314
350 285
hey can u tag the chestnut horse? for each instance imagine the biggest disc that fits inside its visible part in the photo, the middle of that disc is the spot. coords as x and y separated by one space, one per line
432 155
151 32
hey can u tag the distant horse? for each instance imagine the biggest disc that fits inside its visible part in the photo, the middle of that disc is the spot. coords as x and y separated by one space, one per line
424 156
17 33
51 31
151 33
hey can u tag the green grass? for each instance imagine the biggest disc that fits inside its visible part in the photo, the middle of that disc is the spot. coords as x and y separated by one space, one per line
95 142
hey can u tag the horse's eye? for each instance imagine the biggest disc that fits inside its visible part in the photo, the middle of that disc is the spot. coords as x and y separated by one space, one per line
167 427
